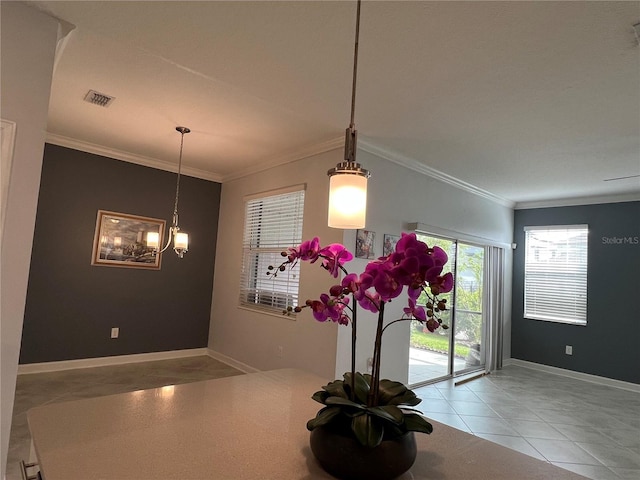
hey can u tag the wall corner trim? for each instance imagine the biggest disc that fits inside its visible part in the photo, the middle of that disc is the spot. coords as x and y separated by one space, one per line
243 367
610 382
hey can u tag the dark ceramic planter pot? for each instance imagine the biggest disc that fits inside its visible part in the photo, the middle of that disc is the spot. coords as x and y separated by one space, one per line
343 457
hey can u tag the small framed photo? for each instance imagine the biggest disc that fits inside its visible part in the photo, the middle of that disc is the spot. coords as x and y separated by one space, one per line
364 244
389 245
120 240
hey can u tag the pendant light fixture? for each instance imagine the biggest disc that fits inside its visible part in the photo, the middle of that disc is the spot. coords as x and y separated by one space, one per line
348 180
180 239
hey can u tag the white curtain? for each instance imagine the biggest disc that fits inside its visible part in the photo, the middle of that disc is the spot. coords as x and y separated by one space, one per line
494 305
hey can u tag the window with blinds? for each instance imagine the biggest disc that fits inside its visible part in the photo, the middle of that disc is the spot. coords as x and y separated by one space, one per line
555 273
272 224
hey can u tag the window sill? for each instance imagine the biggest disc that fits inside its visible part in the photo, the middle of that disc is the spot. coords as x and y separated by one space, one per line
565 322
278 314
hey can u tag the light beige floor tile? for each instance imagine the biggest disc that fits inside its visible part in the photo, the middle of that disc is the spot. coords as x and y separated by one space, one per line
590 471
563 451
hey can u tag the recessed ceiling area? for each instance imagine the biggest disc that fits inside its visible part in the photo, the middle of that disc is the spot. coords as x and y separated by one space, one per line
530 101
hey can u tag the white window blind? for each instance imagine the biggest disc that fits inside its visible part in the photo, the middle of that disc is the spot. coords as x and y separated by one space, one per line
272 224
555 273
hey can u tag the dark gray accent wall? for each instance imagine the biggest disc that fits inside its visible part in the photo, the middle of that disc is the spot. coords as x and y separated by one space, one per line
609 345
72 306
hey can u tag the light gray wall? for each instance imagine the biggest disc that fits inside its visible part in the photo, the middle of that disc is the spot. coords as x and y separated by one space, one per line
252 337
28 45
398 196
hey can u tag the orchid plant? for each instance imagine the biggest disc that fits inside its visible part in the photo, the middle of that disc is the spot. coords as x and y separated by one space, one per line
370 408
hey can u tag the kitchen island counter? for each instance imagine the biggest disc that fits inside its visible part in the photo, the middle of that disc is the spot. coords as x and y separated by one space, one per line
243 427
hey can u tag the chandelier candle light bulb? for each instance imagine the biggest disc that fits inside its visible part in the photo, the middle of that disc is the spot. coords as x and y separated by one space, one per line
153 240
181 241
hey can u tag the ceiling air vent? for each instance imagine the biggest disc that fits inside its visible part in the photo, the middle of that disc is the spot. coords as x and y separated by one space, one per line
98 98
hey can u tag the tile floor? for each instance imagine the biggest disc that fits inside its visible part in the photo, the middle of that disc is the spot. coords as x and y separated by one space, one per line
590 429
425 365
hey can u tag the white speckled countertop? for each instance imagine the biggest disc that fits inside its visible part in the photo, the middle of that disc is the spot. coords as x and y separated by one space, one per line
243 427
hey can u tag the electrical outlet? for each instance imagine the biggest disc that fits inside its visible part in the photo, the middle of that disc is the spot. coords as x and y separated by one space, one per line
115 332
280 351
568 350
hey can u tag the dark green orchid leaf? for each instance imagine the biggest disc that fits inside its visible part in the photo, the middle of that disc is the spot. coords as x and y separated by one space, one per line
408 398
361 386
367 430
344 402
389 390
336 388
394 431
417 423
323 417
405 409
390 413
320 396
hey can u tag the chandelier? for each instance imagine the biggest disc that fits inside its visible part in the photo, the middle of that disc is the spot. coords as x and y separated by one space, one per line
180 239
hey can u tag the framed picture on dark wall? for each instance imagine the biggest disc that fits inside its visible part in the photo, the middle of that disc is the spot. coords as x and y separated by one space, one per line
123 240
364 243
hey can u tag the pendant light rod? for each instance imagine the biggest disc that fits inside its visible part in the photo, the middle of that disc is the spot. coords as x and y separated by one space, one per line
355 68
351 135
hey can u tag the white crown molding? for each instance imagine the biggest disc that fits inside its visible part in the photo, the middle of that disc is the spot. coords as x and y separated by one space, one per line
416 166
293 156
106 361
571 202
327 146
129 157
610 382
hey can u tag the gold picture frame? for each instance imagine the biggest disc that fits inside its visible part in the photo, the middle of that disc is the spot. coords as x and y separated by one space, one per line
120 241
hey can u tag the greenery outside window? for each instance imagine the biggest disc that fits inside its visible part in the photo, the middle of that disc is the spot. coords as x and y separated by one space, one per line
555 273
273 222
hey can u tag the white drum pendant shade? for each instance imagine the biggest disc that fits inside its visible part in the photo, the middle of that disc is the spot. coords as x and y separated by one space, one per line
347 201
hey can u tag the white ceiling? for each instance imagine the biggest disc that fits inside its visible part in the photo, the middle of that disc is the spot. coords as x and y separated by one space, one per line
530 101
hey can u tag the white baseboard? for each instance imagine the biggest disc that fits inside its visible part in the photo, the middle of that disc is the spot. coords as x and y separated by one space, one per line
243 367
106 361
610 382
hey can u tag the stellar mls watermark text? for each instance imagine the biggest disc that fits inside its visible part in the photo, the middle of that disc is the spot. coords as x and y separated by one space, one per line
620 240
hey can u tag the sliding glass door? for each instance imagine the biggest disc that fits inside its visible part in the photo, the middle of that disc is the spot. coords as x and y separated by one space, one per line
459 349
